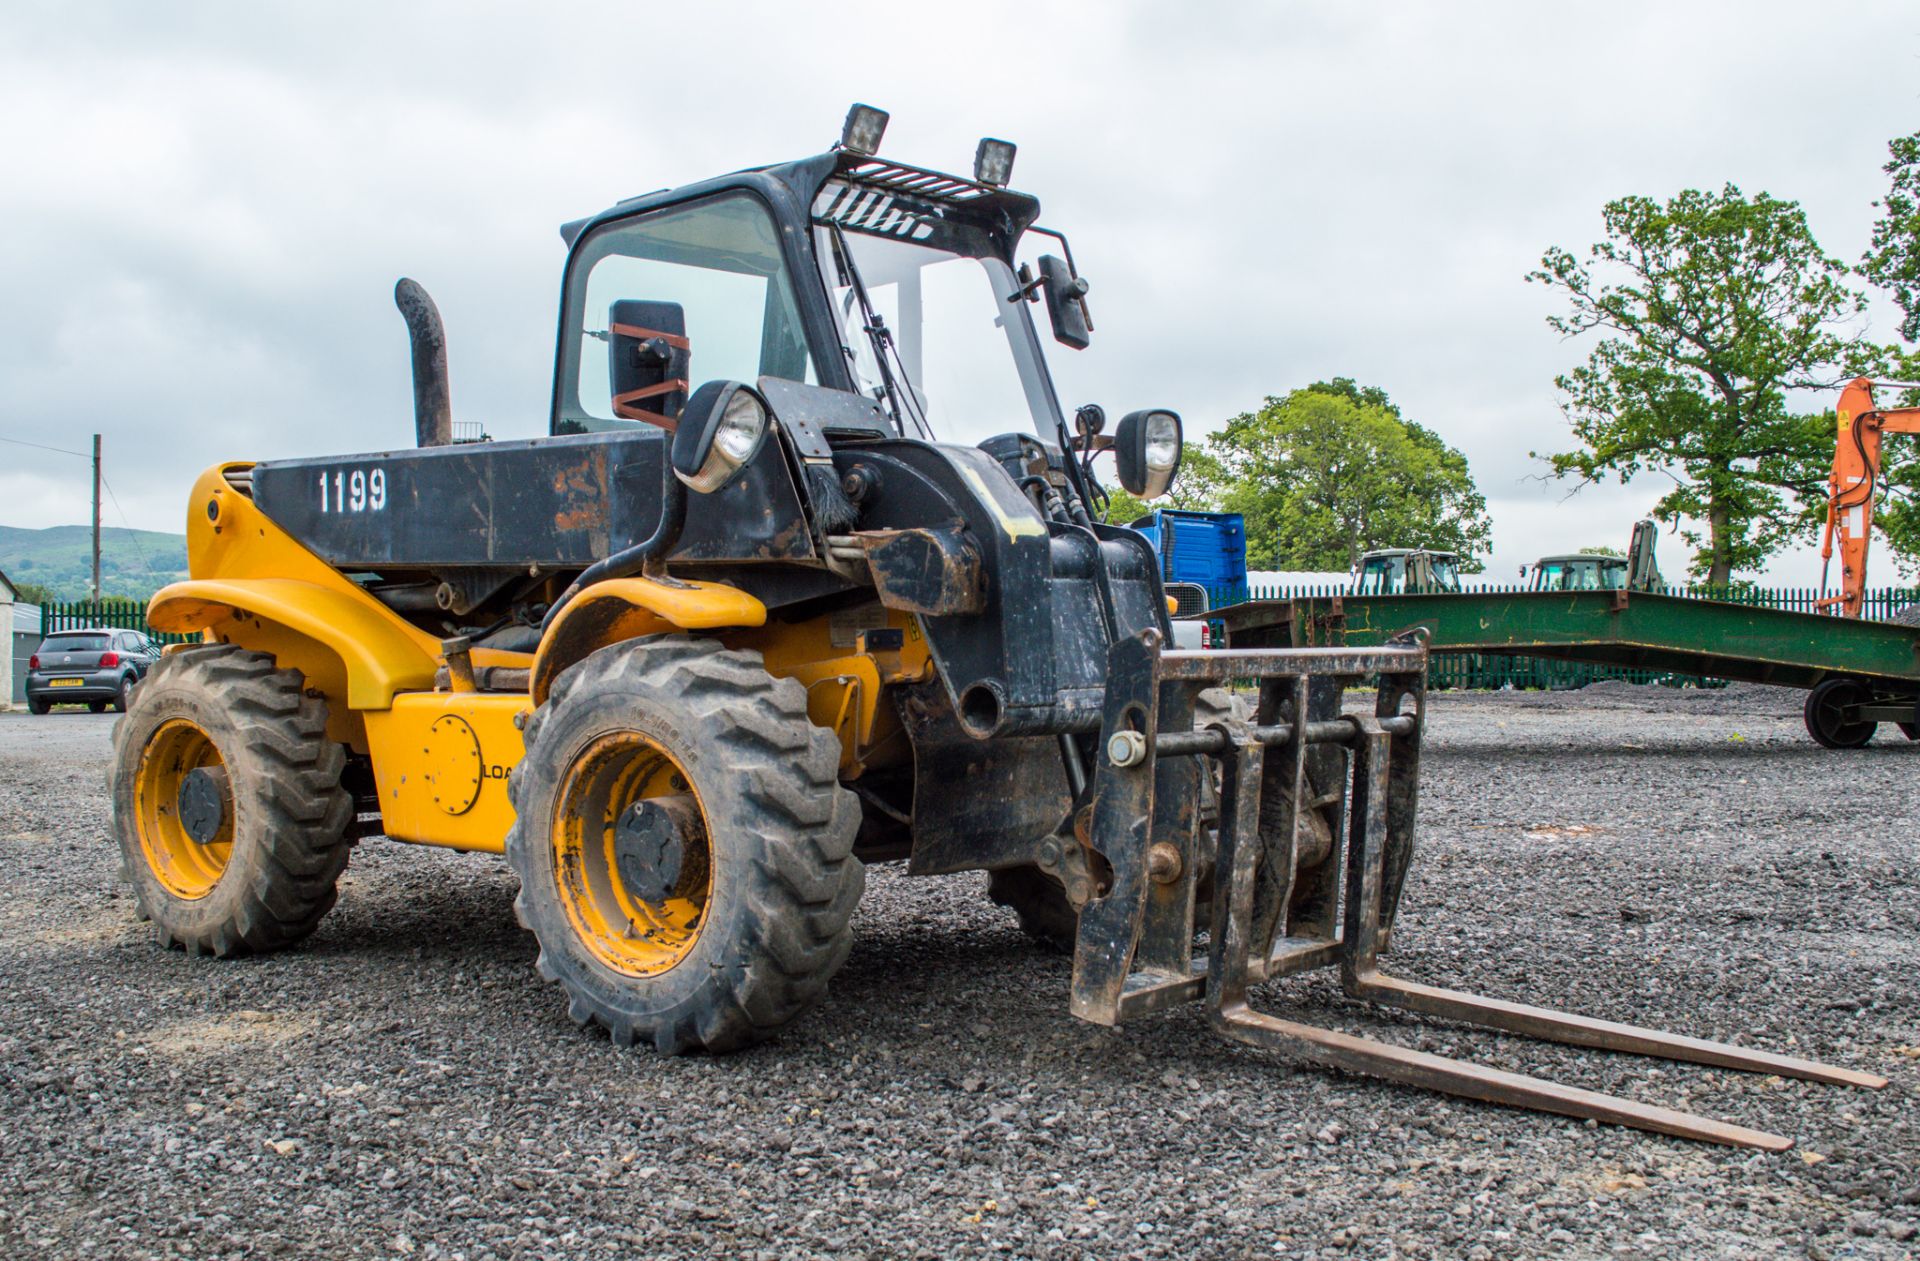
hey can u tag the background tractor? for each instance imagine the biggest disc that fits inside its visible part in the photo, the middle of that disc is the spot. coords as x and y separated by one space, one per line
806 575
1406 570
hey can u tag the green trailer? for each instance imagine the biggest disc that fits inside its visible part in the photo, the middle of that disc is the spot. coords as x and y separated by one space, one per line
1859 673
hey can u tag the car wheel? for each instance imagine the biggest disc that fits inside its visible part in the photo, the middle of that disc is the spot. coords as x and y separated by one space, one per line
125 697
39 704
98 707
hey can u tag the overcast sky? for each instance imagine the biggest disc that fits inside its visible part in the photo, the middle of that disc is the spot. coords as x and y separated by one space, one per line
203 207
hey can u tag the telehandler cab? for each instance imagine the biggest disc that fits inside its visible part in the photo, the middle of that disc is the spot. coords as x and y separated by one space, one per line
807 575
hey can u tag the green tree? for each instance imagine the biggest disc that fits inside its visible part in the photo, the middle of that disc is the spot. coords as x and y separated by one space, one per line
1893 261
1333 470
1711 307
33 593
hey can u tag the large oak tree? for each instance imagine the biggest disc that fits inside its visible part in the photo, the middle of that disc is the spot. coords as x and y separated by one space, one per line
1710 307
1893 262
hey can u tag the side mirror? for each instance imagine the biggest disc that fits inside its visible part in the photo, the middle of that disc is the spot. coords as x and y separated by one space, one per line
1146 448
648 356
1066 302
720 431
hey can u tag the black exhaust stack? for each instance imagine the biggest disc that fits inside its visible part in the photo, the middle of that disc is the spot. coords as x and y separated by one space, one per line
432 398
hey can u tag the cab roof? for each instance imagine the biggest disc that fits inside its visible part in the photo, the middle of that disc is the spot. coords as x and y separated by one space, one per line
791 187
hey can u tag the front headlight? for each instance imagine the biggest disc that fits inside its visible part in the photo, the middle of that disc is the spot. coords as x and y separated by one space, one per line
742 424
1163 442
1146 447
721 429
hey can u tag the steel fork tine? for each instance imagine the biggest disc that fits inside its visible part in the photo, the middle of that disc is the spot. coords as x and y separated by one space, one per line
1475 1081
1559 1026
1362 978
1370 807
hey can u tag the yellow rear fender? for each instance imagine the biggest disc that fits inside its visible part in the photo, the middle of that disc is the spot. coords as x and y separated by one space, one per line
626 608
255 585
369 650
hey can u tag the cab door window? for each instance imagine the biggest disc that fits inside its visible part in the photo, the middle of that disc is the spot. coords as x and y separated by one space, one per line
658 304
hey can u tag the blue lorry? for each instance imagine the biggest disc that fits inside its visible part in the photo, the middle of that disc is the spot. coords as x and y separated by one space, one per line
1204 549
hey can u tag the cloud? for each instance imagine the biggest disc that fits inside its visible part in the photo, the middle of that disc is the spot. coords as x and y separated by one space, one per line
205 206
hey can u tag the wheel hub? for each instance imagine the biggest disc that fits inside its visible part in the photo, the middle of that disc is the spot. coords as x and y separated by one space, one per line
650 845
203 803
183 809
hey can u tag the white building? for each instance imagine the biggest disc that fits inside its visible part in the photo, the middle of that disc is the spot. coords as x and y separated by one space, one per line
19 636
1316 582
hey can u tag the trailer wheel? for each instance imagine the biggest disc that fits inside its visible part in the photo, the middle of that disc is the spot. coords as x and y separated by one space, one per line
683 844
1826 718
1039 901
227 802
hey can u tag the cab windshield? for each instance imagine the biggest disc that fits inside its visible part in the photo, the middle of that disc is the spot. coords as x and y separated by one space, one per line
958 360
1580 575
1382 575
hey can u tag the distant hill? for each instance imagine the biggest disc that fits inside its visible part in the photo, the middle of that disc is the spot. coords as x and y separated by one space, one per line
133 563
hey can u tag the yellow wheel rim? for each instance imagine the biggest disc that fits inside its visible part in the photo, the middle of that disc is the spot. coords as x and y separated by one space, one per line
185 867
634 930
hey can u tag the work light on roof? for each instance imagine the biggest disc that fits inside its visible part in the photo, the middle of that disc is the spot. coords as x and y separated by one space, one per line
865 126
993 162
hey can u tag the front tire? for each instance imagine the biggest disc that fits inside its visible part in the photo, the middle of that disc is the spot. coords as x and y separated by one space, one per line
227 802
684 846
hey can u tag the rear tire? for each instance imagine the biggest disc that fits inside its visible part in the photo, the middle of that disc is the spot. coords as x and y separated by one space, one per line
264 869
38 704
738 931
98 707
125 695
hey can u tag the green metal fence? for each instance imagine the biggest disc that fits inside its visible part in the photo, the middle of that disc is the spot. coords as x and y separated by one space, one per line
1484 670
122 613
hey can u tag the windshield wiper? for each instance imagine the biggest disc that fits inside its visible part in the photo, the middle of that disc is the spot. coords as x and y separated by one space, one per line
904 404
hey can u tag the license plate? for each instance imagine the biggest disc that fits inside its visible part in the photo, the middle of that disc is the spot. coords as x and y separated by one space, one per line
65 682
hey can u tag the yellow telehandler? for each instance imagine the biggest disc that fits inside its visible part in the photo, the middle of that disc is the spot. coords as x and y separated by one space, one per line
806 574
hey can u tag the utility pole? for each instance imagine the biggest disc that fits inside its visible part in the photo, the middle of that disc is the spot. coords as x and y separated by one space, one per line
96 523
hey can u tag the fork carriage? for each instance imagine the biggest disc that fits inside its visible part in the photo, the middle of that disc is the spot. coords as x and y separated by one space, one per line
1285 902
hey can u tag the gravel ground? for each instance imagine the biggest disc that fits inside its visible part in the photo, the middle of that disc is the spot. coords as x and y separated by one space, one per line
403 1085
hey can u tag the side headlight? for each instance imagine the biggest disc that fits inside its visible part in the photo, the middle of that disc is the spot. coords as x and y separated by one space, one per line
721 429
1146 447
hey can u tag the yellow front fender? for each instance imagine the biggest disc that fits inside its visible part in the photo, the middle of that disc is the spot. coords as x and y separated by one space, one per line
625 608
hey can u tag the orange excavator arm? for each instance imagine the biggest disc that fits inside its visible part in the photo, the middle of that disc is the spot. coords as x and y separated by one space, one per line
1855 479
